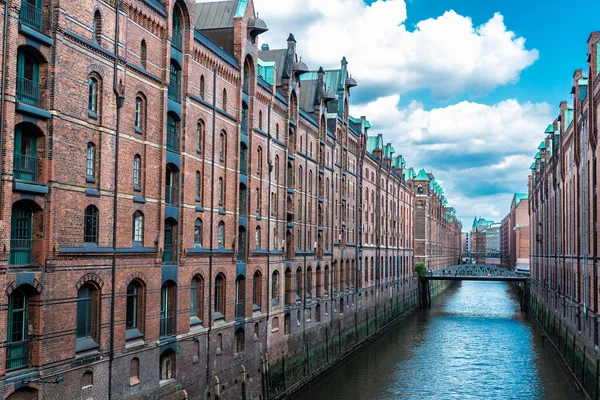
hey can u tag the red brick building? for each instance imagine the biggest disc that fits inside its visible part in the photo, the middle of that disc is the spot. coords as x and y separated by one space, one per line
515 234
182 211
563 220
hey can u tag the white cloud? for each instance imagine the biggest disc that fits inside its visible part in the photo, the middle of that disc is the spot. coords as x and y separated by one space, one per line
479 153
447 54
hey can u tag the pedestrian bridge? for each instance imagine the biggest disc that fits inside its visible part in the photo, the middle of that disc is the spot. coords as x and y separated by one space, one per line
475 272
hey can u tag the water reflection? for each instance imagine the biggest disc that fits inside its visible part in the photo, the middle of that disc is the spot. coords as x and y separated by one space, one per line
474 343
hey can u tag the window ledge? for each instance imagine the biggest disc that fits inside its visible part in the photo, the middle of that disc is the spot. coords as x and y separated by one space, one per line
90 179
194 320
137 188
134 381
139 130
92 114
219 316
85 344
166 382
133 334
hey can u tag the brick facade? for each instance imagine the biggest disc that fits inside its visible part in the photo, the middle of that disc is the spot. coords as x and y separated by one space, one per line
249 223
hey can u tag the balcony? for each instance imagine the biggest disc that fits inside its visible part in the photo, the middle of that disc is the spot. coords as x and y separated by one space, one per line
26 167
28 91
17 355
167 326
31 16
20 251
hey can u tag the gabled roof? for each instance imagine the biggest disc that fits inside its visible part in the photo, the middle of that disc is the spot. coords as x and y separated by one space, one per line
278 56
373 143
537 156
549 129
422 176
519 197
542 145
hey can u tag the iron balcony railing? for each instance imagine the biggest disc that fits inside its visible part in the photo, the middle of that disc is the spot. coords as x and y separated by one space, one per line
26 167
172 142
177 40
28 91
174 90
170 195
240 310
31 16
20 251
167 326
17 355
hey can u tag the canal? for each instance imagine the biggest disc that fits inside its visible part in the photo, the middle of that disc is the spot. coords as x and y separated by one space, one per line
473 343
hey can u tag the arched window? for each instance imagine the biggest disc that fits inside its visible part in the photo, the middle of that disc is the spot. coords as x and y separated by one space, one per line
275 286
18 327
219 296
171 185
143 54
240 296
243 159
138 228
90 163
257 201
173 132
275 324
221 234
177 39
319 281
287 324
300 178
134 321
277 131
28 77
199 186
260 120
276 169
220 191
309 281
97 26
257 238
197 300
87 379
90 225
310 182
222 146
202 86
257 291
259 158
167 365
200 128
198 233
326 280
93 90
225 100
175 81
240 339
134 371
299 284
170 241
140 114
88 317
168 308
137 172
318 313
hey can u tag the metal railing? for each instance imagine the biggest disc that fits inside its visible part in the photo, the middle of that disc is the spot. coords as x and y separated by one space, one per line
31 16
167 326
28 91
172 141
240 310
17 354
25 167
20 251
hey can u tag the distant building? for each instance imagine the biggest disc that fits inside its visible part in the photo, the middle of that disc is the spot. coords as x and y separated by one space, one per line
479 239
515 233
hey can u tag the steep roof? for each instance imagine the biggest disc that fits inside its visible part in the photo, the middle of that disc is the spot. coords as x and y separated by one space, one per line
519 197
215 14
373 143
422 176
279 57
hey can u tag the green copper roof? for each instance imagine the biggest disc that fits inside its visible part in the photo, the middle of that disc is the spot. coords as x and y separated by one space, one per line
389 150
542 145
241 9
266 69
532 166
373 143
549 129
409 173
568 117
537 156
422 176
519 197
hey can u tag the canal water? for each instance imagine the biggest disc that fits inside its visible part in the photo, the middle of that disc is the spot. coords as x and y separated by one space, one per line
474 343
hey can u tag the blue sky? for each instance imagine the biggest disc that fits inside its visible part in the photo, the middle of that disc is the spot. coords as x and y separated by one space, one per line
461 88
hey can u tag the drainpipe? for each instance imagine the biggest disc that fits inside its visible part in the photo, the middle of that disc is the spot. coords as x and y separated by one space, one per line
269 205
120 99
3 89
212 230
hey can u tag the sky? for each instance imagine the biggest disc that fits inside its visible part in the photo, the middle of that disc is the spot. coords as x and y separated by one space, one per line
461 88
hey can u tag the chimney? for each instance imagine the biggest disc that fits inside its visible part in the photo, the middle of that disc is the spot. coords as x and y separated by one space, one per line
593 53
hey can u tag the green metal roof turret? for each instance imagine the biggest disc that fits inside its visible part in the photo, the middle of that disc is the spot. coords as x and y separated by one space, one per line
532 166
542 145
422 176
537 156
549 129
